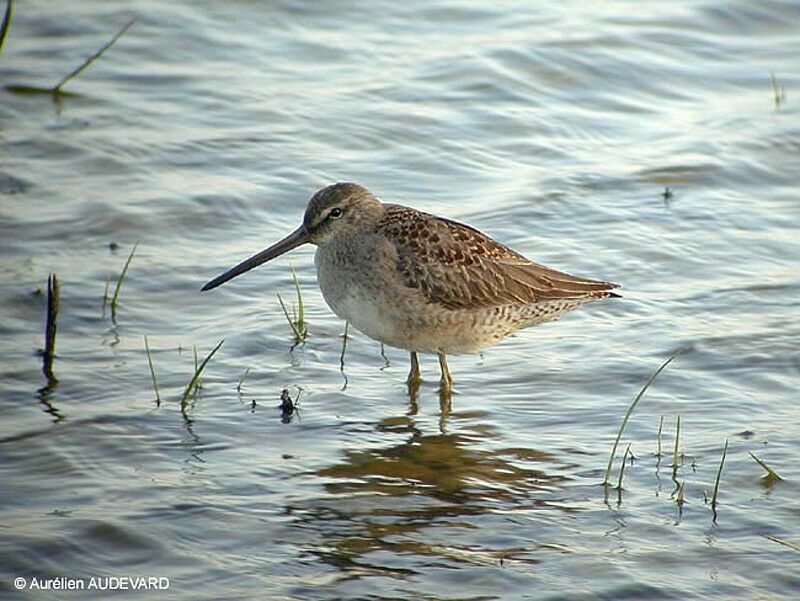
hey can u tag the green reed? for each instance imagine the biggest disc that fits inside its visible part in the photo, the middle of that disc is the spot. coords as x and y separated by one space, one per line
677 443
635 402
778 91
344 343
6 23
680 498
152 369
120 280
297 320
192 385
241 380
56 90
198 383
785 543
622 467
660 428
301 323
772 476
719 475
106 298
51 326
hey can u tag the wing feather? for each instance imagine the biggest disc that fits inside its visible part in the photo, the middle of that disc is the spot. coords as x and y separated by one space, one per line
457 266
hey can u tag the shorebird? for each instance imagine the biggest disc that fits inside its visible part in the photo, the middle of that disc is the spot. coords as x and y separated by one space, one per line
422 283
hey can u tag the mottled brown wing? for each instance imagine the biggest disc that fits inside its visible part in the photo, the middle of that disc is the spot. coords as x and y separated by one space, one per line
457 266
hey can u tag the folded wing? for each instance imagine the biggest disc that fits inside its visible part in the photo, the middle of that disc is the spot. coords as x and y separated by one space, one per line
458 267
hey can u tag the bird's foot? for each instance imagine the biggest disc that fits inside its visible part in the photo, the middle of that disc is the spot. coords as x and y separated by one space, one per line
414 377
446 383
445 400
413 387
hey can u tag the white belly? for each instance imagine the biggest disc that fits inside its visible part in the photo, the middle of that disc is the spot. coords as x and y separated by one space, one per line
354 297
369 296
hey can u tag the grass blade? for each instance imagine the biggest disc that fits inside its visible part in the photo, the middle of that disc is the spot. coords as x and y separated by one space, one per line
241 380
301 324
6 23
772 477
344 344
297 320
779 94
785 543
197 384
660 428
632 407
622 467
75 72
677 443
121 279
719 474
51 326
289 320
193 382
106 298
152 370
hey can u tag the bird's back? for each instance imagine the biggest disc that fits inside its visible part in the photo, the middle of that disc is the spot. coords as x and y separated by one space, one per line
458 267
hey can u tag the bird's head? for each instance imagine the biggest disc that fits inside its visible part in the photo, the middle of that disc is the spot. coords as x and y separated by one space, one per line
341 209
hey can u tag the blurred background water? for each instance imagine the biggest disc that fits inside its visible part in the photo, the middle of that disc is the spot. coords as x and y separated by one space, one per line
643 143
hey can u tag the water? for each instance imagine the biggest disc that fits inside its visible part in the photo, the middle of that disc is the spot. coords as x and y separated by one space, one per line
556 129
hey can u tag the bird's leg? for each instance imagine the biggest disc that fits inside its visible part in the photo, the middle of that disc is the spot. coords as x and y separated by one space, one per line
414 377
447 379
445 391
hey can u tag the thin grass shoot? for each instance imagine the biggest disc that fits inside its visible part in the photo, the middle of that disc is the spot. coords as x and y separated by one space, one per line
772 476
6 23
778 91
635 402
622 467
719 475
121 279
56 90
51 326
296 320
785 543
192 385
677 443
297 336
300 321
152 369
106 298
198 383
345 336
241 380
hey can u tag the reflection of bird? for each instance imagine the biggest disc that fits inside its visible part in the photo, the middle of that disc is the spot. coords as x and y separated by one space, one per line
420 282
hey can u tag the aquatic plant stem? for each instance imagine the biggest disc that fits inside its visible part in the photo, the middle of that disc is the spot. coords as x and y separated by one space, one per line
121 279
51 327
193 382
635 402
152 369
719 474
75 72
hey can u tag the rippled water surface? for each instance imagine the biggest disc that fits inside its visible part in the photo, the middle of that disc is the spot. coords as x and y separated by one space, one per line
643 143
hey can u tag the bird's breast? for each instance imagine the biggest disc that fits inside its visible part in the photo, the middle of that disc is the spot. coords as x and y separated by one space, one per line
357 280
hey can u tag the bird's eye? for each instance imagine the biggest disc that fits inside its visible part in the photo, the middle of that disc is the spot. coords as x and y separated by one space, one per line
335 213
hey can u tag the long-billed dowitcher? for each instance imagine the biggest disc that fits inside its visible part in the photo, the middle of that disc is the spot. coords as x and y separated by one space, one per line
420 282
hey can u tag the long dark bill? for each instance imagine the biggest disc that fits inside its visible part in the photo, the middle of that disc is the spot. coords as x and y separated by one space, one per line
293 240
